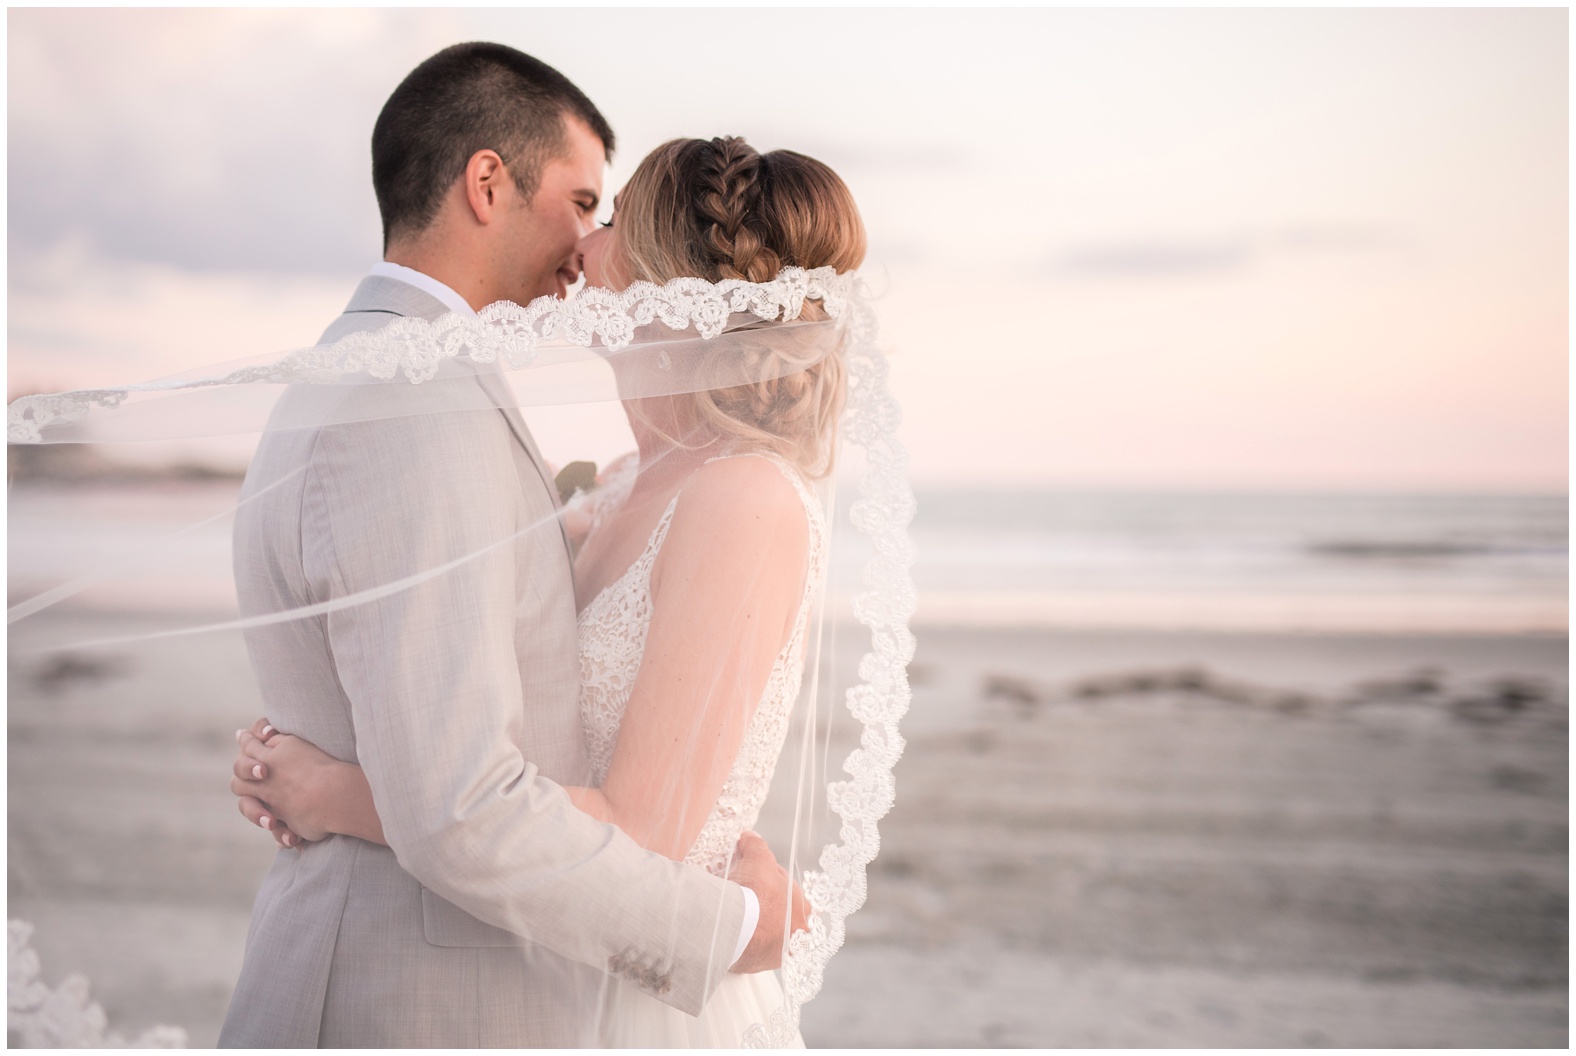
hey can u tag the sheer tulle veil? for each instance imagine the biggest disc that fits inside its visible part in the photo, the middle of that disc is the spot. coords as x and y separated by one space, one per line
832 782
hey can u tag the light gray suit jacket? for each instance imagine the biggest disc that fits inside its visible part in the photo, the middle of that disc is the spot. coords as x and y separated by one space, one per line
498 910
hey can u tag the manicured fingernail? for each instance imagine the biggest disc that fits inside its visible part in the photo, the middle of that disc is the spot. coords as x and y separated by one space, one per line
238 735
268 731
266 822
289 840
257 770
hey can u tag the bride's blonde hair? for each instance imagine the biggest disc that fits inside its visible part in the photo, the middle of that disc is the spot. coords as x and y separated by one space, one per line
719 209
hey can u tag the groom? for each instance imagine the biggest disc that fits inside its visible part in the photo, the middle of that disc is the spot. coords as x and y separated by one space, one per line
497 909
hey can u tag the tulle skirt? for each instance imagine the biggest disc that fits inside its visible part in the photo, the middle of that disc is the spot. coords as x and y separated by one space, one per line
633 1019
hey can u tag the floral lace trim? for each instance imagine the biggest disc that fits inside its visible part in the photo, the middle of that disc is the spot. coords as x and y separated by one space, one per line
416 348
612 633
882 512
39 1017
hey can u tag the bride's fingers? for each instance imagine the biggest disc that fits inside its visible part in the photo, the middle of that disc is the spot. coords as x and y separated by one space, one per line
262 729
255 811
252 809
284 837
248 769
253 747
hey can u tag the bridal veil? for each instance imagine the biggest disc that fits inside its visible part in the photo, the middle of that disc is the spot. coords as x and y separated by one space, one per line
833 780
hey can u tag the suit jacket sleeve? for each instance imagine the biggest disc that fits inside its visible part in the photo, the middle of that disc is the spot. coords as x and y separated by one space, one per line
433 681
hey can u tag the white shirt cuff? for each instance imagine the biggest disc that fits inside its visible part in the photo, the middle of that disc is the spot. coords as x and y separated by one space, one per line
752 917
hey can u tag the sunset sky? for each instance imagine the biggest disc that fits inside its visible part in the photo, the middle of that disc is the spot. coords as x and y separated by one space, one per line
1317 249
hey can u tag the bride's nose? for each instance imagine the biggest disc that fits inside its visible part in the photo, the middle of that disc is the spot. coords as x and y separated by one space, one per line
589 240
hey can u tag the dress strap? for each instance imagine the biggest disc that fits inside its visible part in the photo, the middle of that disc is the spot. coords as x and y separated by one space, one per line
660 532
812 505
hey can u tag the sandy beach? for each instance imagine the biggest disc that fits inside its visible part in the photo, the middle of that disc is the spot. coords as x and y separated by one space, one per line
1305 846
1111 838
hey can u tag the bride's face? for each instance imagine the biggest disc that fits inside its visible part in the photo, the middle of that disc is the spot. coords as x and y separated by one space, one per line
599 257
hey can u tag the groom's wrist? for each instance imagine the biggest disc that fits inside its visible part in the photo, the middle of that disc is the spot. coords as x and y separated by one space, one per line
752 917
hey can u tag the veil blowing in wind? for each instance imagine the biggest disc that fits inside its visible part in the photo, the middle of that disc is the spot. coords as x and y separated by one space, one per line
690 359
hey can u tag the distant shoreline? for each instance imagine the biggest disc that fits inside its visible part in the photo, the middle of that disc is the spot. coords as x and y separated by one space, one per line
87 464
46 464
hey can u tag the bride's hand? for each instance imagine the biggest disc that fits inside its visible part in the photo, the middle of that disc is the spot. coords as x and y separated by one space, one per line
253 809
284 784
582 508
577 524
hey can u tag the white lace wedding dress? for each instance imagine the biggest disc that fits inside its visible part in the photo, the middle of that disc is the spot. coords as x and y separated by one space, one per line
613 629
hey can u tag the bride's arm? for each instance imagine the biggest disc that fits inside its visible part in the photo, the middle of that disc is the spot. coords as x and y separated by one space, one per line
725 589
290 786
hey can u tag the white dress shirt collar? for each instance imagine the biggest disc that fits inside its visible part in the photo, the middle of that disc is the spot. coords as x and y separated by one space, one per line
423 282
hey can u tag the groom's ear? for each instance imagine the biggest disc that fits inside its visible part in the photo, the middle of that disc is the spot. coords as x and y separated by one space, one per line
484 178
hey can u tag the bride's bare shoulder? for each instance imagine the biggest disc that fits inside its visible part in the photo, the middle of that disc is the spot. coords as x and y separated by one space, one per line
741 499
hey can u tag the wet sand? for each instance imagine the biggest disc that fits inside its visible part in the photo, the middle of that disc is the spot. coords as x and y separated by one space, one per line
1101 839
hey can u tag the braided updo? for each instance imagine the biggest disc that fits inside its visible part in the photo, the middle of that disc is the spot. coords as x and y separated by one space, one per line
719 209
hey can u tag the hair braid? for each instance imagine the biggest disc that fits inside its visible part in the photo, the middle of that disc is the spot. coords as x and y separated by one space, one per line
731 181
717 209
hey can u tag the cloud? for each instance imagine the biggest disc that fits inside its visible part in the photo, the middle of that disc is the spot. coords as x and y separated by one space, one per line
207 140
227 140
1156 259
1175 258
1339 238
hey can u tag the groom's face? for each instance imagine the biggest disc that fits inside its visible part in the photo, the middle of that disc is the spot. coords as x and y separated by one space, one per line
539 255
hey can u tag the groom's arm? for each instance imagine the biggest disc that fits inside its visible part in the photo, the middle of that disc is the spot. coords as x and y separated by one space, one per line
433 681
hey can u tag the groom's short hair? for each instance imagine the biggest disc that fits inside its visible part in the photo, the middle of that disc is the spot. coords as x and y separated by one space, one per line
466 98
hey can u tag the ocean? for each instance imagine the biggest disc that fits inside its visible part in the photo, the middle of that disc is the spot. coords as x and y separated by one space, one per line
1051 558
1242 561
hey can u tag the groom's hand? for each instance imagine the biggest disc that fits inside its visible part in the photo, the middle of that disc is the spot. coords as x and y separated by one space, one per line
754 867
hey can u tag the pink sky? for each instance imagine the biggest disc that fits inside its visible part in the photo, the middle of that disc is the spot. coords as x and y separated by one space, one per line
1192 249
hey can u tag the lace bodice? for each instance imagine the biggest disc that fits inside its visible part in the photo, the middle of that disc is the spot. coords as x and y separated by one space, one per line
612 632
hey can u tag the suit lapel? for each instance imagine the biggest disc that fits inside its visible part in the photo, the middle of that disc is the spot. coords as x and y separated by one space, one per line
383 295
496 387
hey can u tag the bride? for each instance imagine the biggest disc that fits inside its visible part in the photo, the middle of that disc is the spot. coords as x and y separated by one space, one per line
702 563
